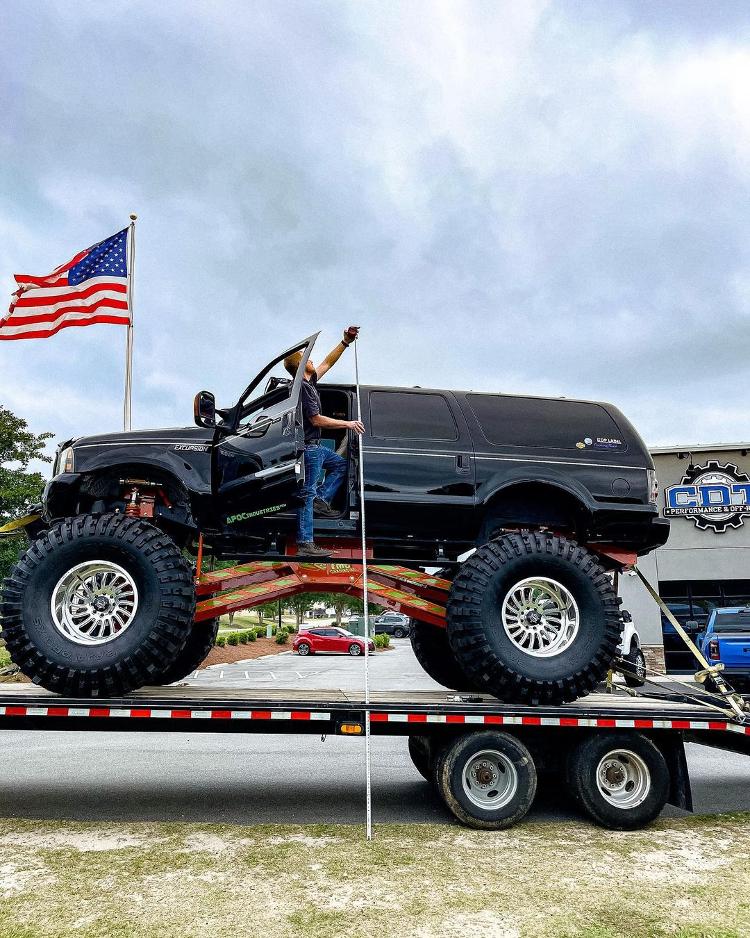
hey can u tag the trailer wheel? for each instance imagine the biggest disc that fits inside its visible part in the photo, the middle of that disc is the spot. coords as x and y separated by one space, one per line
200 641
487 779
534 618
98 606
621 780
431 649
419 752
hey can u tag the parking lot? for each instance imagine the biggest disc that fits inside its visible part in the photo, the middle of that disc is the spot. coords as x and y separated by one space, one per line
240 779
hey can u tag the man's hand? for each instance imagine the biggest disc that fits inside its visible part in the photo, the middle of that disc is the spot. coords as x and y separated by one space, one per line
350 334
355 425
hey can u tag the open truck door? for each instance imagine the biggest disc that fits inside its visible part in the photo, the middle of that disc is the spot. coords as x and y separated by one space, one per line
258 456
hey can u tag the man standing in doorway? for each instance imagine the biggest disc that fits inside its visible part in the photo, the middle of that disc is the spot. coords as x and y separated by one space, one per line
325 470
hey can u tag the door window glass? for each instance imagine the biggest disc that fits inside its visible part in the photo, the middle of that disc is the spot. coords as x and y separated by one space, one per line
401 415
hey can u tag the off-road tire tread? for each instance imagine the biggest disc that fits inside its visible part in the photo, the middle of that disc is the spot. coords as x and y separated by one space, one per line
167 638
201 640
468 640
430 646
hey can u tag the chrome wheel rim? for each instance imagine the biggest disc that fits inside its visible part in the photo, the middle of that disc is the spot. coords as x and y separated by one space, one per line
540 617
355 650
623 779
94 602
489 780
303 649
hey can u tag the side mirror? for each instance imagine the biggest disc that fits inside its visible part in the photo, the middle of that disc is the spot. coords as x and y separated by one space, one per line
204 409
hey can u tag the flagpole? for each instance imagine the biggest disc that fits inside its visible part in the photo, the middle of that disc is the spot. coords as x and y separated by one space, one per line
127 409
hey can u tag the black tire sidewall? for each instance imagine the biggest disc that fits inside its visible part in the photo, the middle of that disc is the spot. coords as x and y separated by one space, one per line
591 620
450 772
582 763
633 661
36 603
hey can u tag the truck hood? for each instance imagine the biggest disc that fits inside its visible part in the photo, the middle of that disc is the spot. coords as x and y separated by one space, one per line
166 436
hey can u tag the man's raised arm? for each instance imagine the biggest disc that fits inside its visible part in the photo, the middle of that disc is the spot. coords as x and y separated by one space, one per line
350 335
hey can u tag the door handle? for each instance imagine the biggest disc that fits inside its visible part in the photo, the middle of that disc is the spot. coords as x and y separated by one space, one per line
463 462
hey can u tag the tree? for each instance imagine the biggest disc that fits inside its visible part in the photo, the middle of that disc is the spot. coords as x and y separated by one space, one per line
19 488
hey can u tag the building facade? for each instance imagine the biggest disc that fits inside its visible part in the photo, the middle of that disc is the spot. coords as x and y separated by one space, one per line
705 493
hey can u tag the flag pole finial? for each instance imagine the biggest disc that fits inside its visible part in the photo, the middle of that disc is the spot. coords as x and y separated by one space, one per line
133 216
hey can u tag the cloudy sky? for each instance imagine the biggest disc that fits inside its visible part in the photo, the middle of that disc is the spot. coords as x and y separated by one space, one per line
527 196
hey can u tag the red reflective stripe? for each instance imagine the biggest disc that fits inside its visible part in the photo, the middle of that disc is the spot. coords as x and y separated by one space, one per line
99 712
680 724
260 715
643 724
221 714
416 718
57 711
15 711
603 722
181 714
569 721
490 718
378 718
140 713
716 726
455 718
300 714
531 721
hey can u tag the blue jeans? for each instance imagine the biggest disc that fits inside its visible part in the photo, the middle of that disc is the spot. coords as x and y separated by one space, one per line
319 462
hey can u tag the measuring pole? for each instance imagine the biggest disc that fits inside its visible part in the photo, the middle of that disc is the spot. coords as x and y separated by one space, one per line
127 407
368 761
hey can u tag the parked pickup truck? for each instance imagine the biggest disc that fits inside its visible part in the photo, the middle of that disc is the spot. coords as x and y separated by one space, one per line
727 639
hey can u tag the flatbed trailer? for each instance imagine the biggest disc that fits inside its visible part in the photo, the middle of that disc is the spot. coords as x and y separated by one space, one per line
622 757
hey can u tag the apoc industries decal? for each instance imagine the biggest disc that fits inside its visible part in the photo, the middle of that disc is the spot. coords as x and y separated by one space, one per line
715 496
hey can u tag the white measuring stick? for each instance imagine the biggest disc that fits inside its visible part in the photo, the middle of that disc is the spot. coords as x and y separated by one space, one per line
368 774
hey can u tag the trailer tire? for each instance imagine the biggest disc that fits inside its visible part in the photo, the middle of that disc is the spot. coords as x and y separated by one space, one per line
431 649
130 573
487 779
620 780
200 641
534 618
420 754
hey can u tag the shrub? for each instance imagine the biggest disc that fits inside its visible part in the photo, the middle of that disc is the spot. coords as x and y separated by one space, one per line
382 640
251 636
221 641
233 638
282 638
259 631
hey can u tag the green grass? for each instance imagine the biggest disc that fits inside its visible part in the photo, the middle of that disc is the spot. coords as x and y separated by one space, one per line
680 879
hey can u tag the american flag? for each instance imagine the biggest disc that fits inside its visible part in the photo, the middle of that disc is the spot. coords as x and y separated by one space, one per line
90 288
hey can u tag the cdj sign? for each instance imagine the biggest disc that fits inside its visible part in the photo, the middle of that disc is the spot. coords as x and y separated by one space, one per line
715 496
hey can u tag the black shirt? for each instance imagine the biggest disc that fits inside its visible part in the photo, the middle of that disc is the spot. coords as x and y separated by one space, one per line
310 401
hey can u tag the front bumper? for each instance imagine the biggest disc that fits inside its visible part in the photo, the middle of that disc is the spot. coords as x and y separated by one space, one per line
60 496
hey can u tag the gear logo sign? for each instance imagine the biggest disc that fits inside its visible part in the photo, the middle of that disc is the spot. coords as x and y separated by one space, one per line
715 496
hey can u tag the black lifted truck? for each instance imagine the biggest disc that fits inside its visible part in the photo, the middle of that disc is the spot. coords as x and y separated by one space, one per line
545 497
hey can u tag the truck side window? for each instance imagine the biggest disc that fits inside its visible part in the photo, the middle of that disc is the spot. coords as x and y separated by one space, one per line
400 415
545 422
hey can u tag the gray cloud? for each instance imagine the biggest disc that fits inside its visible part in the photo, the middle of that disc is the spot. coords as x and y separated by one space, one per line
521 197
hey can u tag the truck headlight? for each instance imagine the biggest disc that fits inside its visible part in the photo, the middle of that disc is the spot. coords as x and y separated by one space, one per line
653 486
65 461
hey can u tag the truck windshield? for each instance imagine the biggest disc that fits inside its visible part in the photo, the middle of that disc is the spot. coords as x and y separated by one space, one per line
732 622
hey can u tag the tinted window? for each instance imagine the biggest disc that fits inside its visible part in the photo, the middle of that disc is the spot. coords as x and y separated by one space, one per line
732 622
397 415
541 422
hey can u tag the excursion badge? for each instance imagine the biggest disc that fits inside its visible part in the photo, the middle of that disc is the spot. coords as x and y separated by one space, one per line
715 496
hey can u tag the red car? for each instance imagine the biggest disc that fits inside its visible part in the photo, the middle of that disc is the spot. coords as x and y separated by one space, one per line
330 638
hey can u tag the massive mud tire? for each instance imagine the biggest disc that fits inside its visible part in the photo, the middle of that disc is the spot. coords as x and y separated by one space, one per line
430 646
200 641
98 606
534 618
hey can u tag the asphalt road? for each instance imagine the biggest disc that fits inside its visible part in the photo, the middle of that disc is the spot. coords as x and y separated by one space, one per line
270 779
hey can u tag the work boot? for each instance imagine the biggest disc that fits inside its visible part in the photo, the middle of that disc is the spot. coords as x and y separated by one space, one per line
323 510
308 549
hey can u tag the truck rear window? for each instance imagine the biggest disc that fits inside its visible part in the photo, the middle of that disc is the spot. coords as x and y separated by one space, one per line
400 415
545 423
732 622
